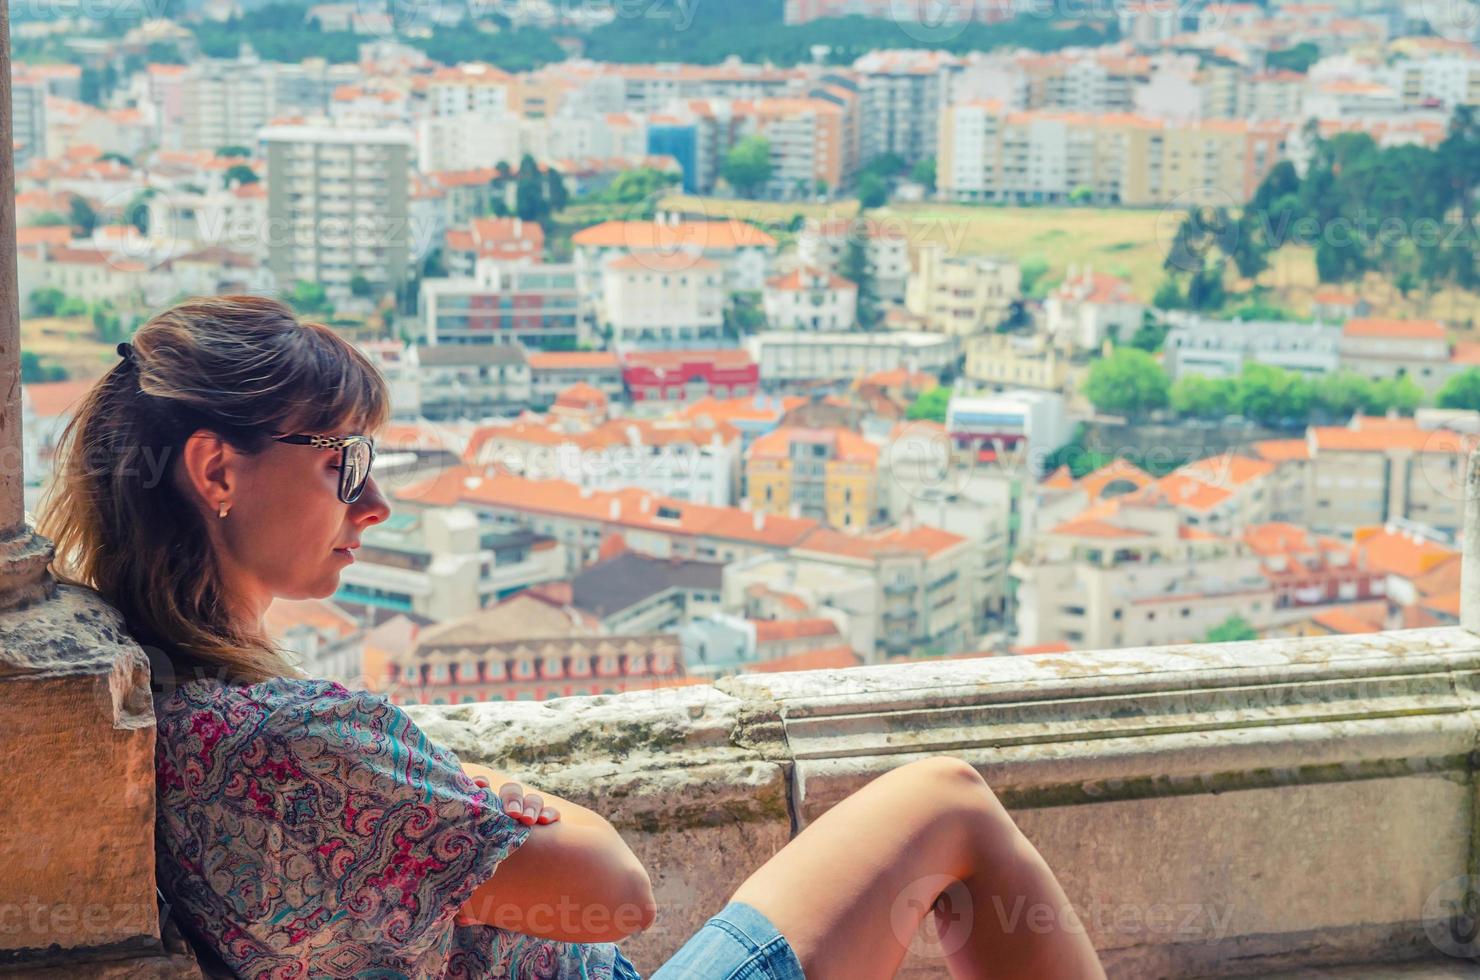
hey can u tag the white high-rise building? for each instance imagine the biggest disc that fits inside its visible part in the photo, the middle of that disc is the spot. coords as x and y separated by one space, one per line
337 205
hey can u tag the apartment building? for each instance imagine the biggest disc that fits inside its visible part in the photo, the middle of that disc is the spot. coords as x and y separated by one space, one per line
961 295
443 564
662 301
902 93
1088 308
829 475
689 376
671 458
1422 82
1137 576
807 298
1004 360
990 153
1384 349
789 357
337 205
1196 345
508 240
552 372
535 304
824 243
225 102
814 141
923 576
28 116
1371 471
472 381
742 250
526 649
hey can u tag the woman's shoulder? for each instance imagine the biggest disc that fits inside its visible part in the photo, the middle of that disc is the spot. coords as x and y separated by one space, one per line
190 695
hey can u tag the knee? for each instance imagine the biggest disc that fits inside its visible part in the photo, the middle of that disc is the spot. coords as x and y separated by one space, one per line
949 777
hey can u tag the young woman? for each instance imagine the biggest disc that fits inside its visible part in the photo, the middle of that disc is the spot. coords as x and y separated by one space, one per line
308 830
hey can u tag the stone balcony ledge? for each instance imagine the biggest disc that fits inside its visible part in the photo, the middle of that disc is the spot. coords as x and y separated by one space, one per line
1213 810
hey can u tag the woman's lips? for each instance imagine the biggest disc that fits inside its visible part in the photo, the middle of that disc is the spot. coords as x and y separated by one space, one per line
345 553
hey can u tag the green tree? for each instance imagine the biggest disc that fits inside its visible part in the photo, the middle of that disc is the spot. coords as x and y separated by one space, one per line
1031 276
49 219
359 285
1271 395
855 267
1205 398
233 151
239 173
924 173
47 301
1082 194
747 167
930 405
1128 382
555 193
1234 628
309 299
1461 391
529 200
84 219
34 371
873 191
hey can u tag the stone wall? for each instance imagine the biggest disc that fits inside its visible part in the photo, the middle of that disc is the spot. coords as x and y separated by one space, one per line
1211 810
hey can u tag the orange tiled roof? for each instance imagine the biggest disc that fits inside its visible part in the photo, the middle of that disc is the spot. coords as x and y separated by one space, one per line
825 659
1400 329
573 360
50 399
1283 450
1345 623
779 630
1396 553
849 446
1083 528
649 235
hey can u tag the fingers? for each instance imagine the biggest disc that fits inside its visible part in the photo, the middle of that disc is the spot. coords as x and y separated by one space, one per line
527 808
512 796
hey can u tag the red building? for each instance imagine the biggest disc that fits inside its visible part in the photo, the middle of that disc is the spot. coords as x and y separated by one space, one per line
684 376
1305 569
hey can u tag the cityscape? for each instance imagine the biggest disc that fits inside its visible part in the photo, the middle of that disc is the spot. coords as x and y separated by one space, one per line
756 338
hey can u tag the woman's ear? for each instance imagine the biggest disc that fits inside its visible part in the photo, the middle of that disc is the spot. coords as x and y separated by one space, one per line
206 467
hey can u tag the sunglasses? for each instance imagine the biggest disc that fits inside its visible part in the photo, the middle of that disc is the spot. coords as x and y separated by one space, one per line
357 453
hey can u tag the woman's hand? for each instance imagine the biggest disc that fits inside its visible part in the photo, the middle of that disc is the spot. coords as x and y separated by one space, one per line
527 808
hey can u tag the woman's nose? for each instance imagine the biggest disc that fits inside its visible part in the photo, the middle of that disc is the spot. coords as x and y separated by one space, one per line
371 507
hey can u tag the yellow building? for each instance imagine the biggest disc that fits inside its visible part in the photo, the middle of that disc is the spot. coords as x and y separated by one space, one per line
826 474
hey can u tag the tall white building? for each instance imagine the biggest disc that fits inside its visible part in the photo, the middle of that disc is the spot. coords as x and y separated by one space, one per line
225 102
337 205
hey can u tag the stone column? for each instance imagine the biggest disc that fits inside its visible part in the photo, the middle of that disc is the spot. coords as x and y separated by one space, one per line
77 891
23 555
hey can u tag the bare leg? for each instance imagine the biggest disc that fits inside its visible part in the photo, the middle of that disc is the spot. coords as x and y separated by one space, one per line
850 891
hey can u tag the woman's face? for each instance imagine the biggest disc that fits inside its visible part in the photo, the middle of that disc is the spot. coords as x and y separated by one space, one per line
286 534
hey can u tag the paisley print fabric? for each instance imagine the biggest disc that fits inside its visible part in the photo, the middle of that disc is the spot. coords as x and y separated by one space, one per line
305 830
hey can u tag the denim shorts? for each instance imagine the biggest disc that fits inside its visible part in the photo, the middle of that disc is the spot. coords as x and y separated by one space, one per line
737 944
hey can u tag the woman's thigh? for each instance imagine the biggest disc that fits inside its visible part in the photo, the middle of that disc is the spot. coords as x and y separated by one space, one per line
850 890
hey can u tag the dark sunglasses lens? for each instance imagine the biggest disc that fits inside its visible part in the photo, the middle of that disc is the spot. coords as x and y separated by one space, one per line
354 471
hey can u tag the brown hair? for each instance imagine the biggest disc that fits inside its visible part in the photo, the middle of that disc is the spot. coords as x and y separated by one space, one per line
239 366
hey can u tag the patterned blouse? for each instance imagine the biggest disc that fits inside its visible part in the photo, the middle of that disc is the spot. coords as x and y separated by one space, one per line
306 830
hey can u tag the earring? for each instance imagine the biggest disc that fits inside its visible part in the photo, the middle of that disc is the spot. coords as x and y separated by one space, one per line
224 507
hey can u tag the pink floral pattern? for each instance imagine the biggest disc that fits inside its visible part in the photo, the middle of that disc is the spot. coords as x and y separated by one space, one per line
306 830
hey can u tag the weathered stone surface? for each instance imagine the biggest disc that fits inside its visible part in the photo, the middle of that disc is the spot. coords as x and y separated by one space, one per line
77 809
1224 810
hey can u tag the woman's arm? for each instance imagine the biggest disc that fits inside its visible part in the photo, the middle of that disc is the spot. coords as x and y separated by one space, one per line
574 880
